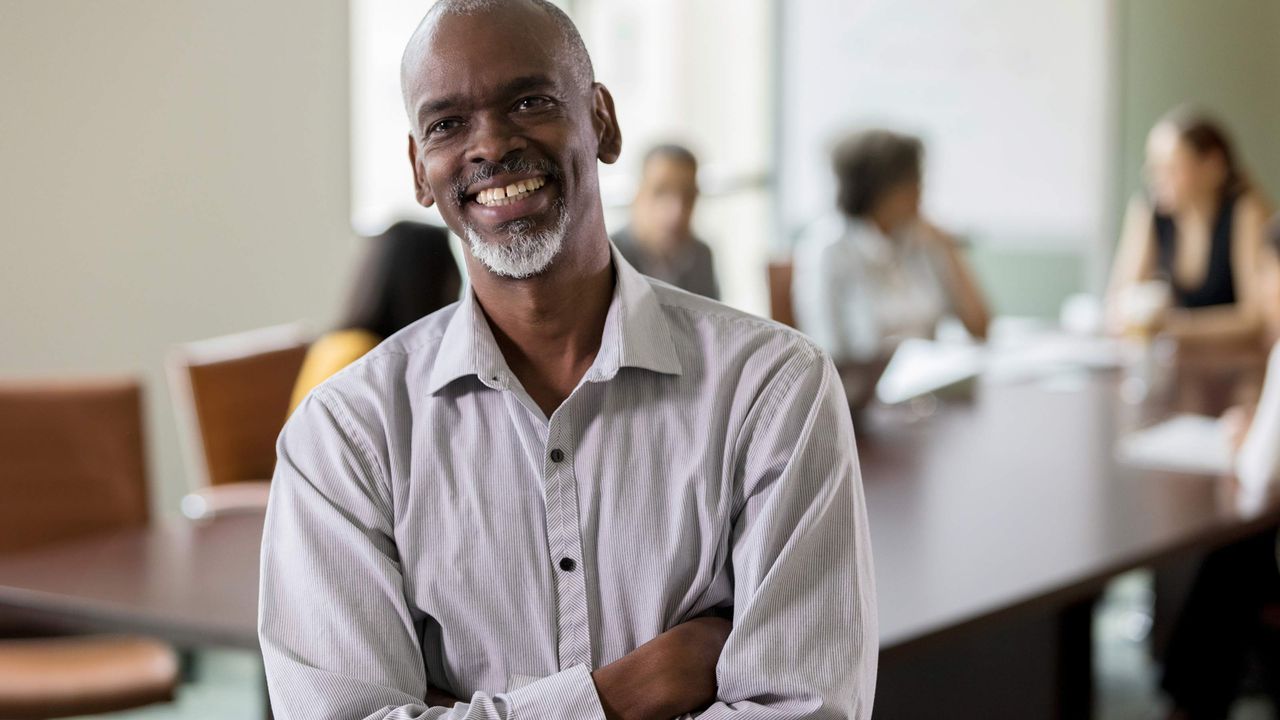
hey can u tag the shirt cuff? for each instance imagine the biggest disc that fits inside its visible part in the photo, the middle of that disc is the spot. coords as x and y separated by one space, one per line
569 694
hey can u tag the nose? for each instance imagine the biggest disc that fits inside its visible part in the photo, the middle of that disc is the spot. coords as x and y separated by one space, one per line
493 138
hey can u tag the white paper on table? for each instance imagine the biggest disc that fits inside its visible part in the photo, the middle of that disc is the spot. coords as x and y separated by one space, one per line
1052 353
1184 443
919 367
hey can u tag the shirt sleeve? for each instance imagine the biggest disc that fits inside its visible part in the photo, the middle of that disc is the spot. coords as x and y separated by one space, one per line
339 641
1258 464
804 642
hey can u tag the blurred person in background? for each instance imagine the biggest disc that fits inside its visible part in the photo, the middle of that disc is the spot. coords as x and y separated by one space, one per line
1187 259
1224 620
879 272
408 273
660 242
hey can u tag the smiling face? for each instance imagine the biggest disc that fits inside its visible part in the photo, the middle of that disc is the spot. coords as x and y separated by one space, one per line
506 136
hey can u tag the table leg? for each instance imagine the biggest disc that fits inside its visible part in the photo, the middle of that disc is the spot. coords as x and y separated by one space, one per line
1075 661
1035 663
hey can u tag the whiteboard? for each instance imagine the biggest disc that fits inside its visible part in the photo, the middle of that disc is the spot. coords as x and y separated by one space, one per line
1010 96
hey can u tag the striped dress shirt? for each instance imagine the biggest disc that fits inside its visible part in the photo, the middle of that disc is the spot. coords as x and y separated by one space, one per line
428 524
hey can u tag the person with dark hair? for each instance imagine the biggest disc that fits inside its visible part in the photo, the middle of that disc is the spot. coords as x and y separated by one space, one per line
1187 259
659 241
408 273
879 272
578 492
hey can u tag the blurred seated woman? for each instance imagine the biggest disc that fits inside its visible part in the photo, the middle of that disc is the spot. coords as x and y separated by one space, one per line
879 272
1185 266
409 273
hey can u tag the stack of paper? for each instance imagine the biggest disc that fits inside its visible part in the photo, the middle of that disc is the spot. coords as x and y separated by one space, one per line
920 367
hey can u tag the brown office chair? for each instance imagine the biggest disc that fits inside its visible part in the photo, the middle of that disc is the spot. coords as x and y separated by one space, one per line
71 464
232 394
780 307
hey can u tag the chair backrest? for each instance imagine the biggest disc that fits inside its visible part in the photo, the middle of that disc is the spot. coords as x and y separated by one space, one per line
232 395
780 307
71 460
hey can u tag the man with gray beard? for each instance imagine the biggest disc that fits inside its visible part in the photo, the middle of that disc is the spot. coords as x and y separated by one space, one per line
576 493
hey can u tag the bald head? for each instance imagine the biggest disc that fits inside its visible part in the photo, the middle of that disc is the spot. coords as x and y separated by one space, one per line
572 50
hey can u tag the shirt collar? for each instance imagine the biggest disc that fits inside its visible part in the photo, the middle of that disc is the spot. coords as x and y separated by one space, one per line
636 334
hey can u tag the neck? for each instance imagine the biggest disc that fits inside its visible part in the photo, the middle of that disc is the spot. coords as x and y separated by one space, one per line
549 327
881 223
1202 206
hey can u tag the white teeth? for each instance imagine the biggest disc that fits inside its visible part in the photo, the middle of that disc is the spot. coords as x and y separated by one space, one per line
497 197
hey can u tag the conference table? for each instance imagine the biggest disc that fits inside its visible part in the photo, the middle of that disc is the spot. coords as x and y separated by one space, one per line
996 520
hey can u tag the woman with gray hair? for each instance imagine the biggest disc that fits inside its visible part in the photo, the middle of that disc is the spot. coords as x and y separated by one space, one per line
879 272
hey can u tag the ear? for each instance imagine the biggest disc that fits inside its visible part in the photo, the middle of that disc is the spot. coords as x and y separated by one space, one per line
605 119
420 187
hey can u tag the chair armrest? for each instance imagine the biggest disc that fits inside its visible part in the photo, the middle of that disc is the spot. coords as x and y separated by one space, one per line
229 498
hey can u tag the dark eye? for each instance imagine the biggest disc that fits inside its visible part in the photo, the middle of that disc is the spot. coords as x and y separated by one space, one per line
443 126
531 103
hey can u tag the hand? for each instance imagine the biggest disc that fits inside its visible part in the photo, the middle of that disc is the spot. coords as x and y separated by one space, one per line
672 674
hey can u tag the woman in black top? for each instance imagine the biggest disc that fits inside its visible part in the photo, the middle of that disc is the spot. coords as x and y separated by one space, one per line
1199 230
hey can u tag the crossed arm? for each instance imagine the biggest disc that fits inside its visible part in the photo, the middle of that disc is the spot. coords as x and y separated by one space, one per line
671 675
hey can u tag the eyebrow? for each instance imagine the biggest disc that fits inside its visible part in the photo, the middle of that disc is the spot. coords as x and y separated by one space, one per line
524 83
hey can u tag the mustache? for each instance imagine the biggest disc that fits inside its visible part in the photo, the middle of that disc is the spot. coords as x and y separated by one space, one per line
487 170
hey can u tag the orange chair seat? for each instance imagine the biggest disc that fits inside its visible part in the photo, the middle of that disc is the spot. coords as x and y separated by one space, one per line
62 677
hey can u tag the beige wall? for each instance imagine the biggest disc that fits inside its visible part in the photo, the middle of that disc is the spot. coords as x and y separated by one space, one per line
169 170
1220 54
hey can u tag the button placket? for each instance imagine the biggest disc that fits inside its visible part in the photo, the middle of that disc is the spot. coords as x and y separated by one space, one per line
565 543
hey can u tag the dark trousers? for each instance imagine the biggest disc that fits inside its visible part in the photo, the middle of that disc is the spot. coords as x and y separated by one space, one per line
1221 628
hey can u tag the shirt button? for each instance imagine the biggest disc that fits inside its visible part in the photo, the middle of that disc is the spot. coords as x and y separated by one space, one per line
557 455
567 564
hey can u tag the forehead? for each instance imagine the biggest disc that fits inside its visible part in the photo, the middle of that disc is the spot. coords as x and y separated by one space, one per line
1164 142
467 57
